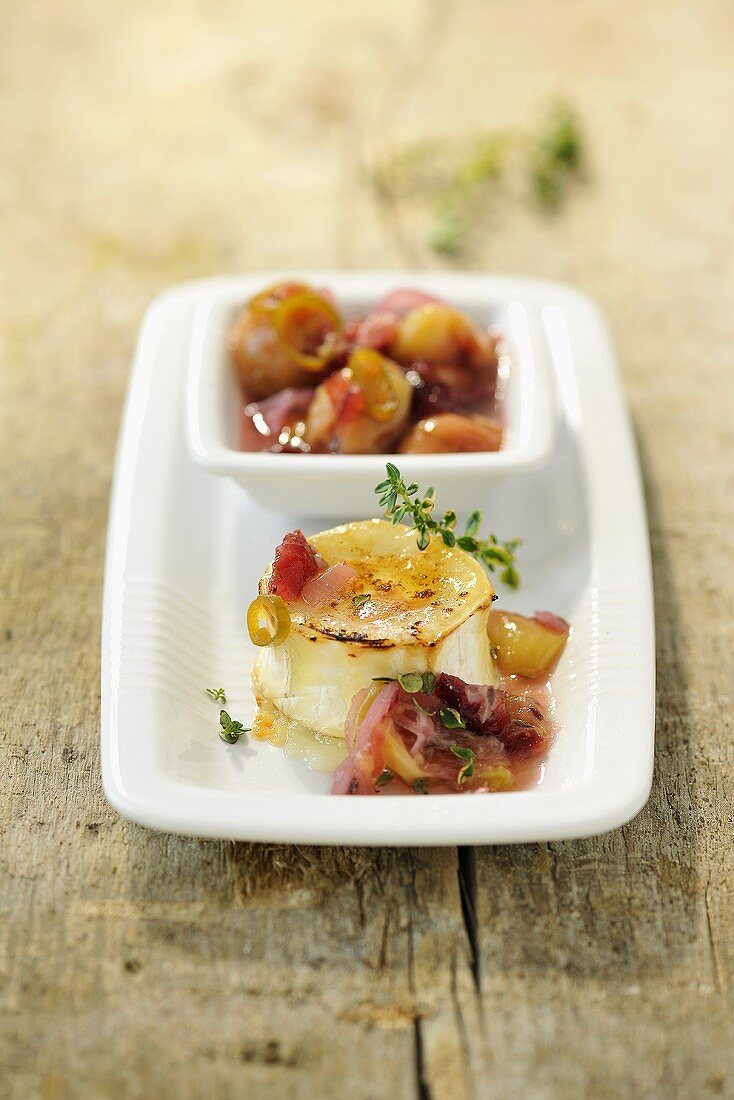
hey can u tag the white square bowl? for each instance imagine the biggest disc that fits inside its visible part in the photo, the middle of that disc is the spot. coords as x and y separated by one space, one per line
342 485
184 554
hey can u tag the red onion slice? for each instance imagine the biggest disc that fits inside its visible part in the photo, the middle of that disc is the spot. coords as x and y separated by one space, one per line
328 585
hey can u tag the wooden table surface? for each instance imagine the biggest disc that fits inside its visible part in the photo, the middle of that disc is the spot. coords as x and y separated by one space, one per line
147 143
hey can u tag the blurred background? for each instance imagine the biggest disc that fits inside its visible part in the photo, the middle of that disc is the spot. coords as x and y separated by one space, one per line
147 142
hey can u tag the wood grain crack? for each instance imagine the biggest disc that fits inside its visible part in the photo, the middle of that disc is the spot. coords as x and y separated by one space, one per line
467 874
423 1091
718 983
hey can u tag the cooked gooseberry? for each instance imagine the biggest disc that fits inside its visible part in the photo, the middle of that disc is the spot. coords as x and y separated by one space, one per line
526 647
306 326
268 620
361 409
270 298
378 382
282 337
448 433
433 333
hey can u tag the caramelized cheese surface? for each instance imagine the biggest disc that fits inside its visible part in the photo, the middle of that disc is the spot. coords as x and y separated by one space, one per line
416 597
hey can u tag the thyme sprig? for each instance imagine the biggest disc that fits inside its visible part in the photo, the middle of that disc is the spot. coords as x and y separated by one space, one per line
402 503
217 694
231 730
555 154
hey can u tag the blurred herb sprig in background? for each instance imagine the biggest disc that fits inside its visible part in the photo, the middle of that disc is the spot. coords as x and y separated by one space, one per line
454 172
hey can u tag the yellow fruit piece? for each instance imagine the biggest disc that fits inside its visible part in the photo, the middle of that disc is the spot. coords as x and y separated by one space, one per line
399 761
304 320
496 777
379 382
268 620
523 646
433 333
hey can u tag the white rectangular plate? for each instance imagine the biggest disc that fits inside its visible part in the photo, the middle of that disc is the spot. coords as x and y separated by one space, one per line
185 550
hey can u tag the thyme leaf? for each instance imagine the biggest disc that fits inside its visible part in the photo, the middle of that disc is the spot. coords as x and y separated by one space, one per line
467 755
464 753
451 719
411 682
